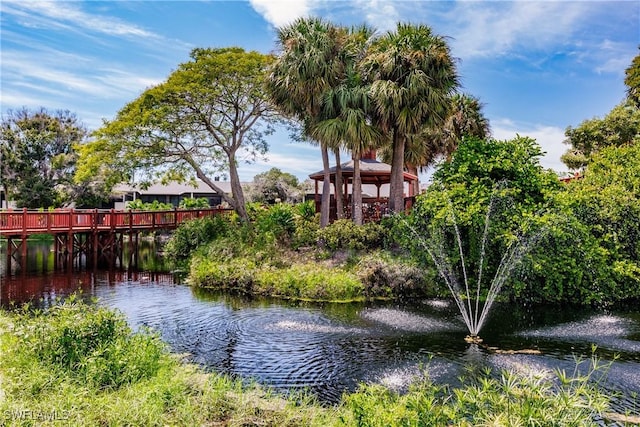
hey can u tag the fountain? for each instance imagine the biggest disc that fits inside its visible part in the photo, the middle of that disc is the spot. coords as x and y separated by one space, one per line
474 314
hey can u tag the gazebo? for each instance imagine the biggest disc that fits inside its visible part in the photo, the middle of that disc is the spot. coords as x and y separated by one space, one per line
374 174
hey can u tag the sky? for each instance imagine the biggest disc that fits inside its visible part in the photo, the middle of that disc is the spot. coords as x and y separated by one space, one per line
536 66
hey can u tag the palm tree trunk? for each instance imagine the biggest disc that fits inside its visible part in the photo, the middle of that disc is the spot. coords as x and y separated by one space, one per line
325 208
338 190
396 200
356 196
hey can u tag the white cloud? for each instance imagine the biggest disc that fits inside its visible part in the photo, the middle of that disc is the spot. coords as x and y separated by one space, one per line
55 14
72 73
381 14
282 12
488 28
550 138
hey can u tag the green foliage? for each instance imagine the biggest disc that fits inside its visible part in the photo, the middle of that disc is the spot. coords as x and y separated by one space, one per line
188 126
139 205
276 222
275 186
194 203
38 159
383 275
93 346
621 126
632 81
306 210
309 281
510 400
194 233
343 234
503 176
606 203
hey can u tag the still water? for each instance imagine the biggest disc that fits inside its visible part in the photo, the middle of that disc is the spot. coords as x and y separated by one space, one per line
331 348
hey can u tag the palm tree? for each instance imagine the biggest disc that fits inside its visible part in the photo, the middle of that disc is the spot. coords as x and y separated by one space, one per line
346 112
412 77
346 119
309 64
465 118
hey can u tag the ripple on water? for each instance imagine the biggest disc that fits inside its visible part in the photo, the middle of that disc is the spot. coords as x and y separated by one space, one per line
438 303
605 330
290 325
403 320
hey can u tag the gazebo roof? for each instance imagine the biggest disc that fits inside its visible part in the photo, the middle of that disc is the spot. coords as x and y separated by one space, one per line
371 172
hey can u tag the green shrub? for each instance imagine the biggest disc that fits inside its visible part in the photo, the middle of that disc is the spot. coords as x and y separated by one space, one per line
193 234
139 205
344 234
384 276
194 203
306 210
276 222
233 274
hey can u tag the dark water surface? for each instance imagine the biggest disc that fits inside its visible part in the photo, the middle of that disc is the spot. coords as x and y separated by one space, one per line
330 348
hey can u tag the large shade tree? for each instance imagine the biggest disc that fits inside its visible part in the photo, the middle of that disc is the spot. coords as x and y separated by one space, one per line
208 116
37 157
309 63
412 76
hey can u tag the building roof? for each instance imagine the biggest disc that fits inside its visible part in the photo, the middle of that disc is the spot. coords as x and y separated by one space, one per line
371 172
174 188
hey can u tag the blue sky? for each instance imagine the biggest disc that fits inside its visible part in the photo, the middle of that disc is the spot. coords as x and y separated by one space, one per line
537 66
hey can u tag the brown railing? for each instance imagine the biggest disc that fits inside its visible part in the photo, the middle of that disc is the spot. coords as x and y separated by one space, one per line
26 222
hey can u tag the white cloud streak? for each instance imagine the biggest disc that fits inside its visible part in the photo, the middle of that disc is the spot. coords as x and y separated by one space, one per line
64 72
65 15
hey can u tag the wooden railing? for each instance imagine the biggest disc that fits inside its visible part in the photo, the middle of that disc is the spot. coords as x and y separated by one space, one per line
25 222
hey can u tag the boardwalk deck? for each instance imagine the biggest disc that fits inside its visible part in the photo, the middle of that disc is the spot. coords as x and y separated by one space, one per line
99 233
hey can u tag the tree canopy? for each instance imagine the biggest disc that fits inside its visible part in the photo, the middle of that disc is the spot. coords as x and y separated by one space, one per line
632 80
37 158
273 186
618 128
210 115
412 76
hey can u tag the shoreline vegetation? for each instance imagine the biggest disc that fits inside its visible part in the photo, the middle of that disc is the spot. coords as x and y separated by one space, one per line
80 364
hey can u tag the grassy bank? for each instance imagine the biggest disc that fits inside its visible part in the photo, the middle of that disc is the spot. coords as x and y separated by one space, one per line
283 254
81 365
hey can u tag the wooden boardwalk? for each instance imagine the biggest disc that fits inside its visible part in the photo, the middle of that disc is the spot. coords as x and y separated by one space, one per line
95 234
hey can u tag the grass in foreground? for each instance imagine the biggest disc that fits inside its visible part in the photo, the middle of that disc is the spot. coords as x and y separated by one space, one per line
81 365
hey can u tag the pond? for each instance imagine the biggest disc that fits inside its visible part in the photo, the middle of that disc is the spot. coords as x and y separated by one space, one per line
331 348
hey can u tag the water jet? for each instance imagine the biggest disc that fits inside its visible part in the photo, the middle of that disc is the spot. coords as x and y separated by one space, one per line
474 312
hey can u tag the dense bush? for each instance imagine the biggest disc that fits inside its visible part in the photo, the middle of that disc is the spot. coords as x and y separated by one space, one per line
139 205
344 234
193 234
194 203
383 275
